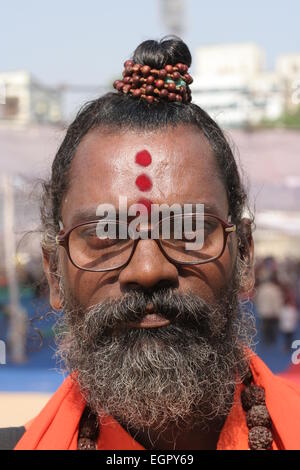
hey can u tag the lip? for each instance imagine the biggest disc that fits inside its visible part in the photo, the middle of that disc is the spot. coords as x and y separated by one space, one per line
152 320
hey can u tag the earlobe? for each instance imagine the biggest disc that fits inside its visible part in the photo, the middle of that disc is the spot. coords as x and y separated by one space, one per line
53 282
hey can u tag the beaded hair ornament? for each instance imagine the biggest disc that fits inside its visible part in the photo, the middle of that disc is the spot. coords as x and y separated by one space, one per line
170 83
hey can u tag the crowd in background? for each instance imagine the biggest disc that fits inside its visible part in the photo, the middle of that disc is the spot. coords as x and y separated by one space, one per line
277 299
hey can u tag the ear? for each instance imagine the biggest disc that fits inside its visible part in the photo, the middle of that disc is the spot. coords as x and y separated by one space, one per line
53 282
246 248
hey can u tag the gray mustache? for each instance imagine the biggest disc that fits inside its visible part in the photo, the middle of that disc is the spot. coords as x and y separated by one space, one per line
187 310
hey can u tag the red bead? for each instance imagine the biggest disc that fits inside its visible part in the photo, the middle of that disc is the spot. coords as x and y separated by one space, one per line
136 68
137 93
150 99
179 98
171 87
176 75
185 68
169 68
129 63
128 71
135 80
150 80
149 90
116 83
172 97
164 93
120 85
146 70
127 80
162 74
188 78
126 88
155 72
159 84
180 67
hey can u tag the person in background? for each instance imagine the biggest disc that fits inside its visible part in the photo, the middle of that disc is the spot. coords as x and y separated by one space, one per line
269 303
289 318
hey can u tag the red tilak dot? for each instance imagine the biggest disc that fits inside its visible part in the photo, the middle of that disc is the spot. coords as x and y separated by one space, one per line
143 182
143 158
147 203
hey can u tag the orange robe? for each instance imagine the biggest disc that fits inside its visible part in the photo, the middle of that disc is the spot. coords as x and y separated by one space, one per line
56 426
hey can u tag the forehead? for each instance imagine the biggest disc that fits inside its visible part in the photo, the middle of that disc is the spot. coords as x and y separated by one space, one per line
182 169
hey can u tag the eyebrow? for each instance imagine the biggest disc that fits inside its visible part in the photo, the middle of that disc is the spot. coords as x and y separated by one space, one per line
84 215
208 207
89 214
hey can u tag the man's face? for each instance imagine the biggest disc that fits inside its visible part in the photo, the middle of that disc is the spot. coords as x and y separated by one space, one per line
180 373
183 170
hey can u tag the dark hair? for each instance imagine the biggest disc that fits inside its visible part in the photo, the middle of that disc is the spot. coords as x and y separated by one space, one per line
117 110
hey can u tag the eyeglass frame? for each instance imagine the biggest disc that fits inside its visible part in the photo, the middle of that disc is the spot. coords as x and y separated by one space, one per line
63 240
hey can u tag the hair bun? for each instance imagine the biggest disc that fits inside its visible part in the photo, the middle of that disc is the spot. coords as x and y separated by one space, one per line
158 72
170 50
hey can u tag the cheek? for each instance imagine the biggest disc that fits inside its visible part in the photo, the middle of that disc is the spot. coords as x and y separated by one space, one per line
79 283
88 288
210 280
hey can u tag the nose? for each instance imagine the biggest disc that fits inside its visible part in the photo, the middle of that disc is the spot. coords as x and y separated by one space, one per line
148 269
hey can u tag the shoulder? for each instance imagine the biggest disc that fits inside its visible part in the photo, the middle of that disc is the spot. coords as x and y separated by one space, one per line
9 437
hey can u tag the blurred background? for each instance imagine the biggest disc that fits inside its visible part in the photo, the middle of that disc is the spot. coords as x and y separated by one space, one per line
56 55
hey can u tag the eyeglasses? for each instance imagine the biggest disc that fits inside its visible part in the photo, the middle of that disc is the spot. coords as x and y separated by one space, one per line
88 252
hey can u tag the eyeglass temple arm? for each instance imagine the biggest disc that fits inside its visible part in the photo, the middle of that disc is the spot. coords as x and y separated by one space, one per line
230 229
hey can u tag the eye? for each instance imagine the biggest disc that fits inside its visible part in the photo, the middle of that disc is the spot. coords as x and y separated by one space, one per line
210 226
91 236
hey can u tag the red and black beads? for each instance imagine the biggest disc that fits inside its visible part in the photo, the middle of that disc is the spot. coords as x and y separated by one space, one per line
170 83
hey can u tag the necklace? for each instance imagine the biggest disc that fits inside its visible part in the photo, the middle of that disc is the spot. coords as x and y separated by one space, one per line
253 402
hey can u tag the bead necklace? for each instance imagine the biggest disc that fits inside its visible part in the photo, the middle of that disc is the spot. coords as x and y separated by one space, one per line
253 401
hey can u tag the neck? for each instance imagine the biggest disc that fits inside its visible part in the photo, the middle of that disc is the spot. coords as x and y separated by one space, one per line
176 439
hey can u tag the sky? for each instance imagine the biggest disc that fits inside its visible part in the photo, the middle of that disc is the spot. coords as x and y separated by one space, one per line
86 42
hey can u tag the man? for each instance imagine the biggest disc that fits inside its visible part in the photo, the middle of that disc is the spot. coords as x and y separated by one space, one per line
152 331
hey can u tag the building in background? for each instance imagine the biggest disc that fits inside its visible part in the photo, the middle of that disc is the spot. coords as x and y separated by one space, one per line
288 70
173 15
25 100
233 86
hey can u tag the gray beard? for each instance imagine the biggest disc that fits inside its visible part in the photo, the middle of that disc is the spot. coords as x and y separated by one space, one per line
182 375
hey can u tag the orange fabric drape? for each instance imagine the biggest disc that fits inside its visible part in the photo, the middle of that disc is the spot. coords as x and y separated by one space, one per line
56 427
